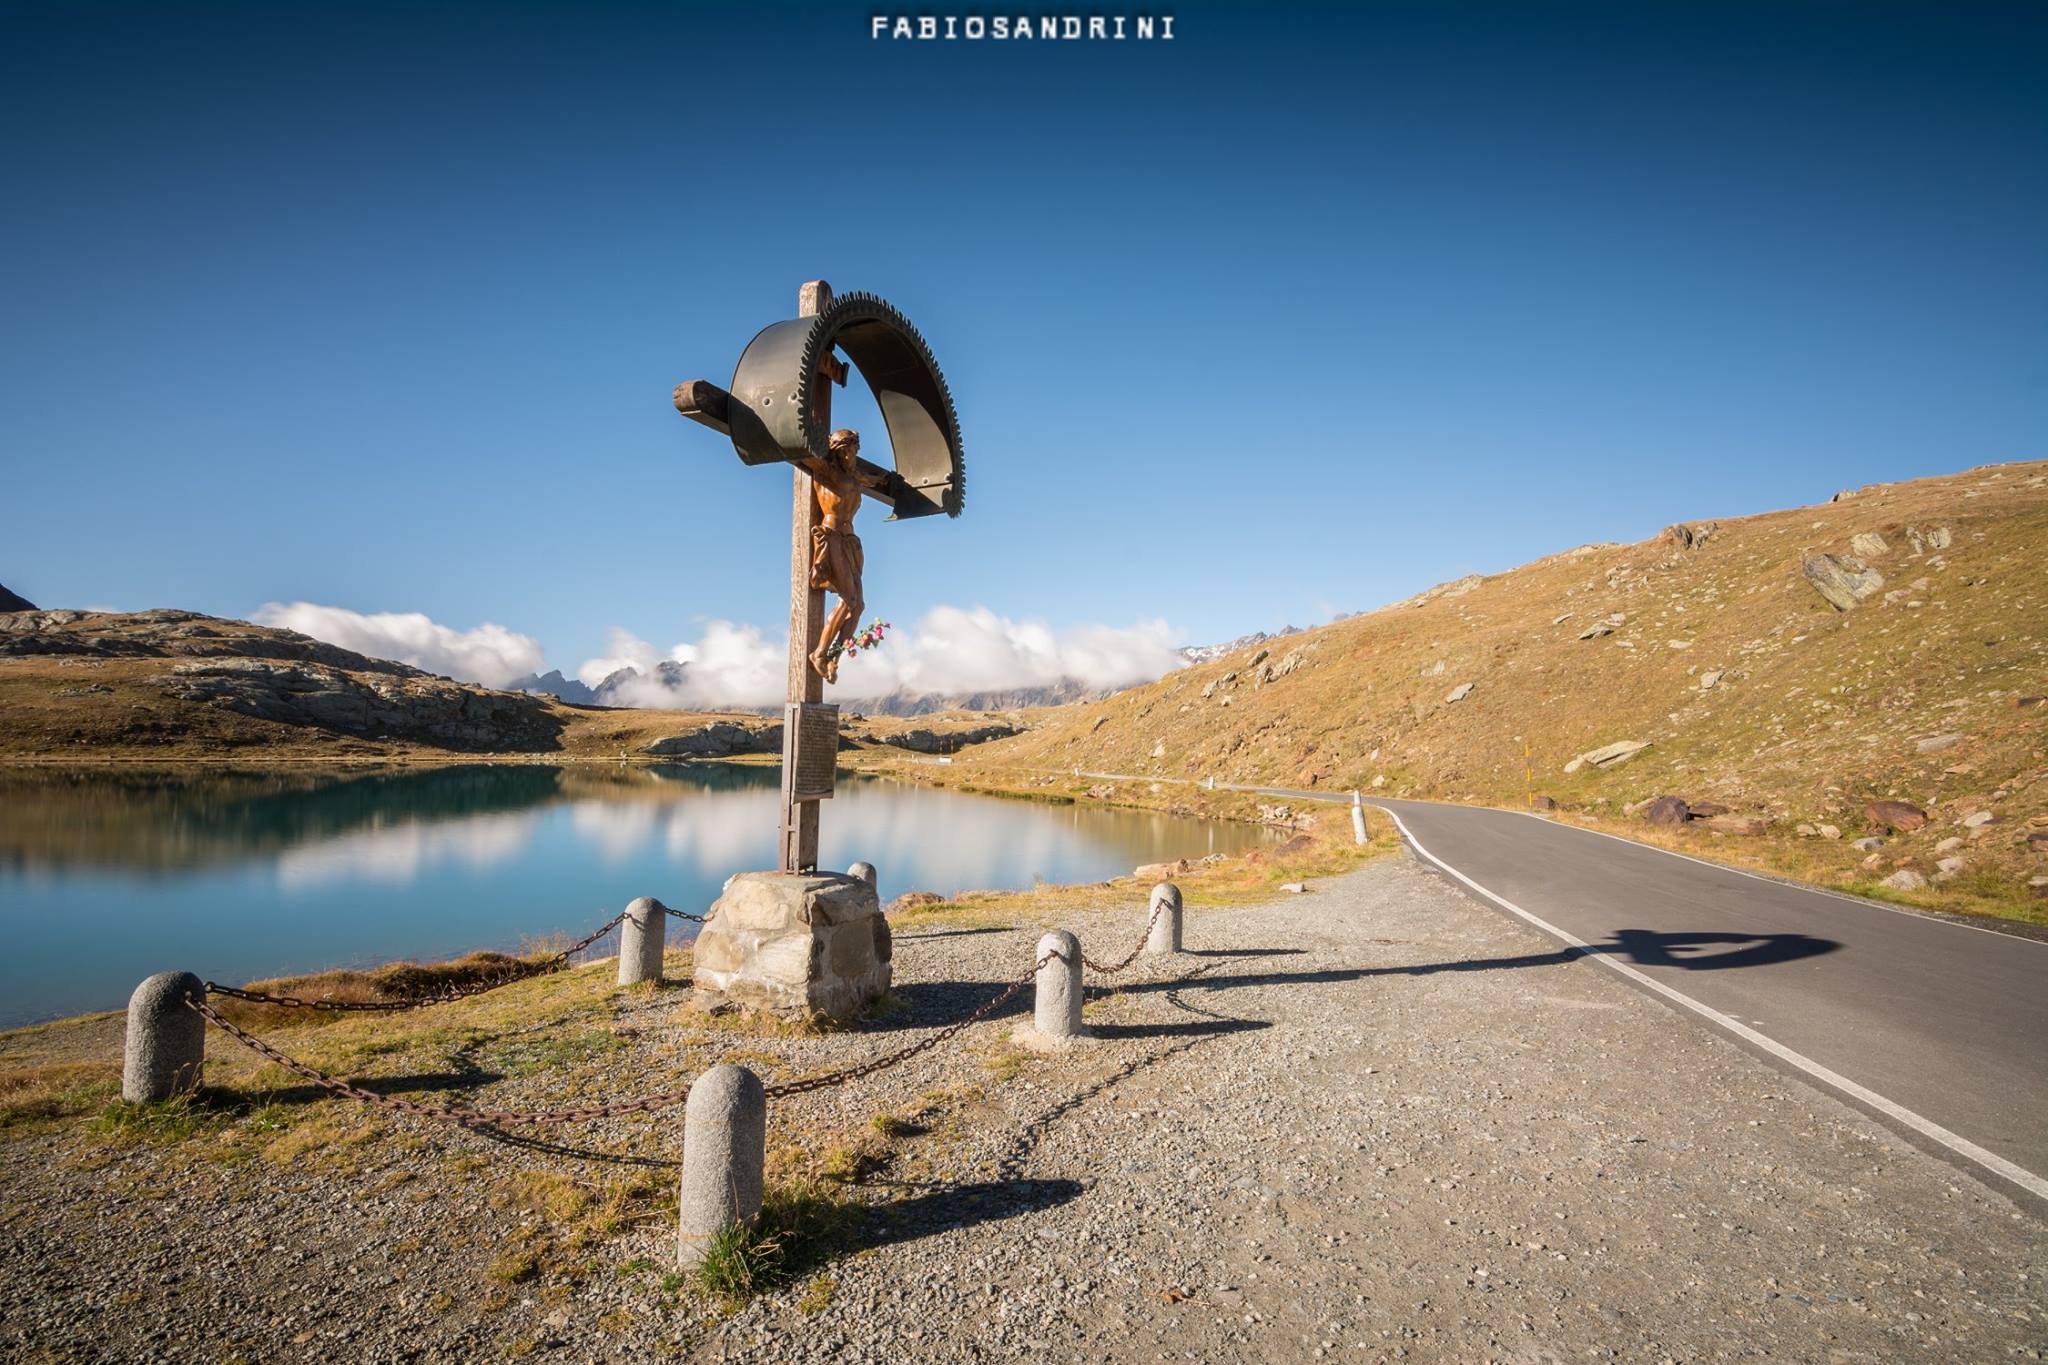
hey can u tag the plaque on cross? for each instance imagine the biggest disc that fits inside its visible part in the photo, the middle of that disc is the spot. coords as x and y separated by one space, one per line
778 410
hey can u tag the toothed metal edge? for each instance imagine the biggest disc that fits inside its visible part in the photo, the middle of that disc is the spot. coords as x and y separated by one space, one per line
861 306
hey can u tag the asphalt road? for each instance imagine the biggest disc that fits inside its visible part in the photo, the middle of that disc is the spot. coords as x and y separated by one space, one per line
1940 1029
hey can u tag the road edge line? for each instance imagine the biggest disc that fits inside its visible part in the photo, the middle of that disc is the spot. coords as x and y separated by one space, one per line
1926 1127
1949 917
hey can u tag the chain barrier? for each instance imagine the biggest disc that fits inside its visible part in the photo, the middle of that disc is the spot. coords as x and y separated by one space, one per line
684 914
645 1104
1112 968
826 1079
443 1113
523 971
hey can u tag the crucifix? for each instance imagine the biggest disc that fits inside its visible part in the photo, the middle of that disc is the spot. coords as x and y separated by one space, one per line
779 411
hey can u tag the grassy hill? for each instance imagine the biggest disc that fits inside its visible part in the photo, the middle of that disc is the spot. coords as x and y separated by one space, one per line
1711 645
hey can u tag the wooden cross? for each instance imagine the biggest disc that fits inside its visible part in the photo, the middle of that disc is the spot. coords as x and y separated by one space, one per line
810 729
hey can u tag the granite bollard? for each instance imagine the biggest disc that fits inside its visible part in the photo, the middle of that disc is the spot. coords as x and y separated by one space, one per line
1056 999
1164 936
643 934
165 1049
864 871
725 1146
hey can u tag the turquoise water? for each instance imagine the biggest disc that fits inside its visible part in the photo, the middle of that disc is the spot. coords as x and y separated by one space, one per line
109 875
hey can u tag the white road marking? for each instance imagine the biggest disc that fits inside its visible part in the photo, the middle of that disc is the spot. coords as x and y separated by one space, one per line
1865 902
1955 1142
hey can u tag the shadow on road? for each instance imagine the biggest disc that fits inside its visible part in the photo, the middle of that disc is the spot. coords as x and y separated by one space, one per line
1644 947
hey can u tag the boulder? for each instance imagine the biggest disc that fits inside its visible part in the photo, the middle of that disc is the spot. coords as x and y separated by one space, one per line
1667 810
1711 677
1948 867
1869 544
1934 744
794 945
1977 820
719 739
1459 693
1544 803
1706 810
1607 755
1159 872
410 705
1830 832
1845 583
924 741
1905 879
1901 817
1737 824
1866 844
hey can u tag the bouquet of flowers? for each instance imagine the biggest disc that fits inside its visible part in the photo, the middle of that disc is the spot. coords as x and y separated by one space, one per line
870 637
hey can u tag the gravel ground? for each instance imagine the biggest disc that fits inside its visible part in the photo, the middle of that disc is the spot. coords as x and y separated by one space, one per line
1376 1121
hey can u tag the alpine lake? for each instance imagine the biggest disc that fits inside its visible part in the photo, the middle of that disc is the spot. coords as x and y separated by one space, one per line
109 874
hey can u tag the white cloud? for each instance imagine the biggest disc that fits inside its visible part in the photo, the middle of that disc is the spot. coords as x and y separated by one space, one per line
489 654
950 650
400 853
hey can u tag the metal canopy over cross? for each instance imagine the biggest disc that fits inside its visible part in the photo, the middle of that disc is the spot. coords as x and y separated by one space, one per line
779 410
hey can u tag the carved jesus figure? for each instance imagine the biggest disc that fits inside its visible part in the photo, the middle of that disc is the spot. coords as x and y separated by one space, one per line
836 559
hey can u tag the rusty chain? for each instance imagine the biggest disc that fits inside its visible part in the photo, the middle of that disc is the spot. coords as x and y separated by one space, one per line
1112 968
524 971
684 914
826 1079
646 1103
443 1113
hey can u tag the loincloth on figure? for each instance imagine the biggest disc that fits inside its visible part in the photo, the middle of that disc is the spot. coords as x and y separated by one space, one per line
837 560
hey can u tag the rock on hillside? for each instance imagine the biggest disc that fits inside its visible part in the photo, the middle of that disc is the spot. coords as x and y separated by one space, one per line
1768 666
374 705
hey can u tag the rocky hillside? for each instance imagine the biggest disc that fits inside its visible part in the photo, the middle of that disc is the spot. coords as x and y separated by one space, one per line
176 684
1778 674
78 679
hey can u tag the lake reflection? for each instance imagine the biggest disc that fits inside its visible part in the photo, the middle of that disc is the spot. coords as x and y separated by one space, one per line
109 875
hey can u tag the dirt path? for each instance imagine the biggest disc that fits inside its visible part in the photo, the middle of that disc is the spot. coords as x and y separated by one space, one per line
1376 1121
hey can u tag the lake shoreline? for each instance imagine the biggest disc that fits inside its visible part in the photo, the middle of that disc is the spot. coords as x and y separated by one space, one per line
260 870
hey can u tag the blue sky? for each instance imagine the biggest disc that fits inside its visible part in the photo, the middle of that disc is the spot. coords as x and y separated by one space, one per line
1306 310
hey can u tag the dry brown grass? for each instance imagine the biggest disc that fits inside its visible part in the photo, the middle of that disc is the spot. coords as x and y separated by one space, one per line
1816 713
391 982
35 1094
